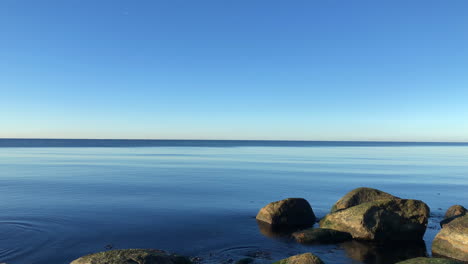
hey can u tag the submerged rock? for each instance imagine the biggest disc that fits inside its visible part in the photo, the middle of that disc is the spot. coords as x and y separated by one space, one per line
452 213
245 261
321 236
387 253
307 258
132 256
288 213
381 220
452 240
359 196
424 260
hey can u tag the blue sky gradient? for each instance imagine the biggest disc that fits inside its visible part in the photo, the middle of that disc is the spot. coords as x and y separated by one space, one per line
246 69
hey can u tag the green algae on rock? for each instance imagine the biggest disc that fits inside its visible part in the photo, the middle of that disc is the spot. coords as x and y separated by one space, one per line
306 258
321 236
359 196
424 260
132 256
287 213
381 220
452 240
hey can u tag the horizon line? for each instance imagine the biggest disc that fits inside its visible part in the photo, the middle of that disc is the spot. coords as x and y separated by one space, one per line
267 140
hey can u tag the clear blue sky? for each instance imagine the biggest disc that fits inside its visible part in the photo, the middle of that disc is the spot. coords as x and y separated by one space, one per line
225 69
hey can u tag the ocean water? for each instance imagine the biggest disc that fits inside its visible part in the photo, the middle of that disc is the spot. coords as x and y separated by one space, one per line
63 199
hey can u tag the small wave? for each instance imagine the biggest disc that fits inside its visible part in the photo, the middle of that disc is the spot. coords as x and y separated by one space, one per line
39 233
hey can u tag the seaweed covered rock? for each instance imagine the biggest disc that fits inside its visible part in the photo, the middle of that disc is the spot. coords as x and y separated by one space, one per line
452 240
307 258
452 213
359 196
132 256
321 236
424 260
381 220
288 213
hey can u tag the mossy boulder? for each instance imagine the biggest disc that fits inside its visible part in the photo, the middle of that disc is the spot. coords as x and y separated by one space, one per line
288 213
452 213
424 260
321 236
359 196
381 220
132 256
452 240
307 258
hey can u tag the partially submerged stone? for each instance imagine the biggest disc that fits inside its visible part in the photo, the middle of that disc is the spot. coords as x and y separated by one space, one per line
245 261
359 196
307 258
452 240
132 256
424 260
288 213
455 210
452 213
381 220
321 236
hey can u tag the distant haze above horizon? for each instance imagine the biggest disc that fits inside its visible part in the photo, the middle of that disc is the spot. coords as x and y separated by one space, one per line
247 69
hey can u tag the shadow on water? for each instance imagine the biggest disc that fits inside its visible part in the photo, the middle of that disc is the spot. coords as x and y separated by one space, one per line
370 253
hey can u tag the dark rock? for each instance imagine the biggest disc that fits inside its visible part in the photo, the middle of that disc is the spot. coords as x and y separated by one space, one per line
245 261
306 258
359 196
452 240
423 260
321 236
381 220
288 213
132 256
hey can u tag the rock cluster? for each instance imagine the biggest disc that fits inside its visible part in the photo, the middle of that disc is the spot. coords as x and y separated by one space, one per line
364 215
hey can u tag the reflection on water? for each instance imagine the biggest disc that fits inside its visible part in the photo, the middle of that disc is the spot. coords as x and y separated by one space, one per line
268 230
371 253
61 203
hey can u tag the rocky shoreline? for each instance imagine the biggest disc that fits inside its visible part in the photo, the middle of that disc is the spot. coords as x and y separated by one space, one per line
364 215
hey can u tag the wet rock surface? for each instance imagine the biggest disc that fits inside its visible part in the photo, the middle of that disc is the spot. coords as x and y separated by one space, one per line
306 258
132 256
321 236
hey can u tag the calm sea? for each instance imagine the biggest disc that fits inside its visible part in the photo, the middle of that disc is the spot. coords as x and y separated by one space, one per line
61 199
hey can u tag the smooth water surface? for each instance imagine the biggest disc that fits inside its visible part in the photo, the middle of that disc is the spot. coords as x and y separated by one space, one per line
59 203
